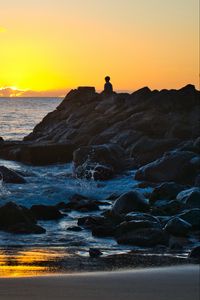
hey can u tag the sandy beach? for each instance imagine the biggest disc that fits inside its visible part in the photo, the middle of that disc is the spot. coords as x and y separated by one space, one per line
179 282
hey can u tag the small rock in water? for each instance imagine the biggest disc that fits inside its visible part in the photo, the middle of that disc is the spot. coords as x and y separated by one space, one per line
74 228
130 201
10 176
99 162
93 252
195 253
46 212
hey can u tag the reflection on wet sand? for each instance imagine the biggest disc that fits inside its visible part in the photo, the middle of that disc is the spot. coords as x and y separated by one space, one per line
28 262
21 262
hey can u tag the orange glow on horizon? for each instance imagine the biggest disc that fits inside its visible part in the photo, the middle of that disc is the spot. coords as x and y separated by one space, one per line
50 47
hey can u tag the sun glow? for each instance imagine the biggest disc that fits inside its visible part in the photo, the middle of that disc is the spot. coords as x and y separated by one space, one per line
58 45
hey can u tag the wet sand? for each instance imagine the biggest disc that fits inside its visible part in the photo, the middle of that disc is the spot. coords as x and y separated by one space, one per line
174 283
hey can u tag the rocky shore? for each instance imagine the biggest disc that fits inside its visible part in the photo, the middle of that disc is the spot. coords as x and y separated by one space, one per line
157 133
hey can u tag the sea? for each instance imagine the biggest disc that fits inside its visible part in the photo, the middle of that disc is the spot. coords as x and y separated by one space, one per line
48 185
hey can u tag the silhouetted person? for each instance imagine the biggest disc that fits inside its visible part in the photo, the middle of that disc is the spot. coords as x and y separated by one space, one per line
108 88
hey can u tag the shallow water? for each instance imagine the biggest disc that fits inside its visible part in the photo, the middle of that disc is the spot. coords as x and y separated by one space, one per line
51 185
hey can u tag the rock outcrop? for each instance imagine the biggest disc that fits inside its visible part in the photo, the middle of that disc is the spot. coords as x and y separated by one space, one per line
145 125
18 219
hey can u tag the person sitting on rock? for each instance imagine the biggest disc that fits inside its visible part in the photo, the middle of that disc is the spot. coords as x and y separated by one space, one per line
108 88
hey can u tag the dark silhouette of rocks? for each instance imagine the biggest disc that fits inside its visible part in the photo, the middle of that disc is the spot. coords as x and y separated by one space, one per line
146 125
18 219
45 212
157 133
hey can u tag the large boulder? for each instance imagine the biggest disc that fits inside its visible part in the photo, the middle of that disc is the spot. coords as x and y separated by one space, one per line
11 176
130 201
99 162
190 197
174 166
146 149
38 153
166 191
178 227
127 226
195 253
44 154
81 203
167 208
192 216
145 237
18 219
99 225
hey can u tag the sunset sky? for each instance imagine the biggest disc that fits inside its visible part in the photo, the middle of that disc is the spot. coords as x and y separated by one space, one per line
51 46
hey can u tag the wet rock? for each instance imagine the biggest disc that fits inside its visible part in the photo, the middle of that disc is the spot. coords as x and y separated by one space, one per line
45 154
10 176
136 216
90 221
77 197
192 216
197 181
127 226
195 253
113 196
145 237
74 228
61 205
105 230
177 226
23 228
45 212
174 166
164 208
98 162
130 201
99 225
81 203
94 252
177 243
146 184
190 197
18 219
166 191
94 171
147 149
196 144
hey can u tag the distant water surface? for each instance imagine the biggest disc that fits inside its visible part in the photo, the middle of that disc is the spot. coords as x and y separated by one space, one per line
18 116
